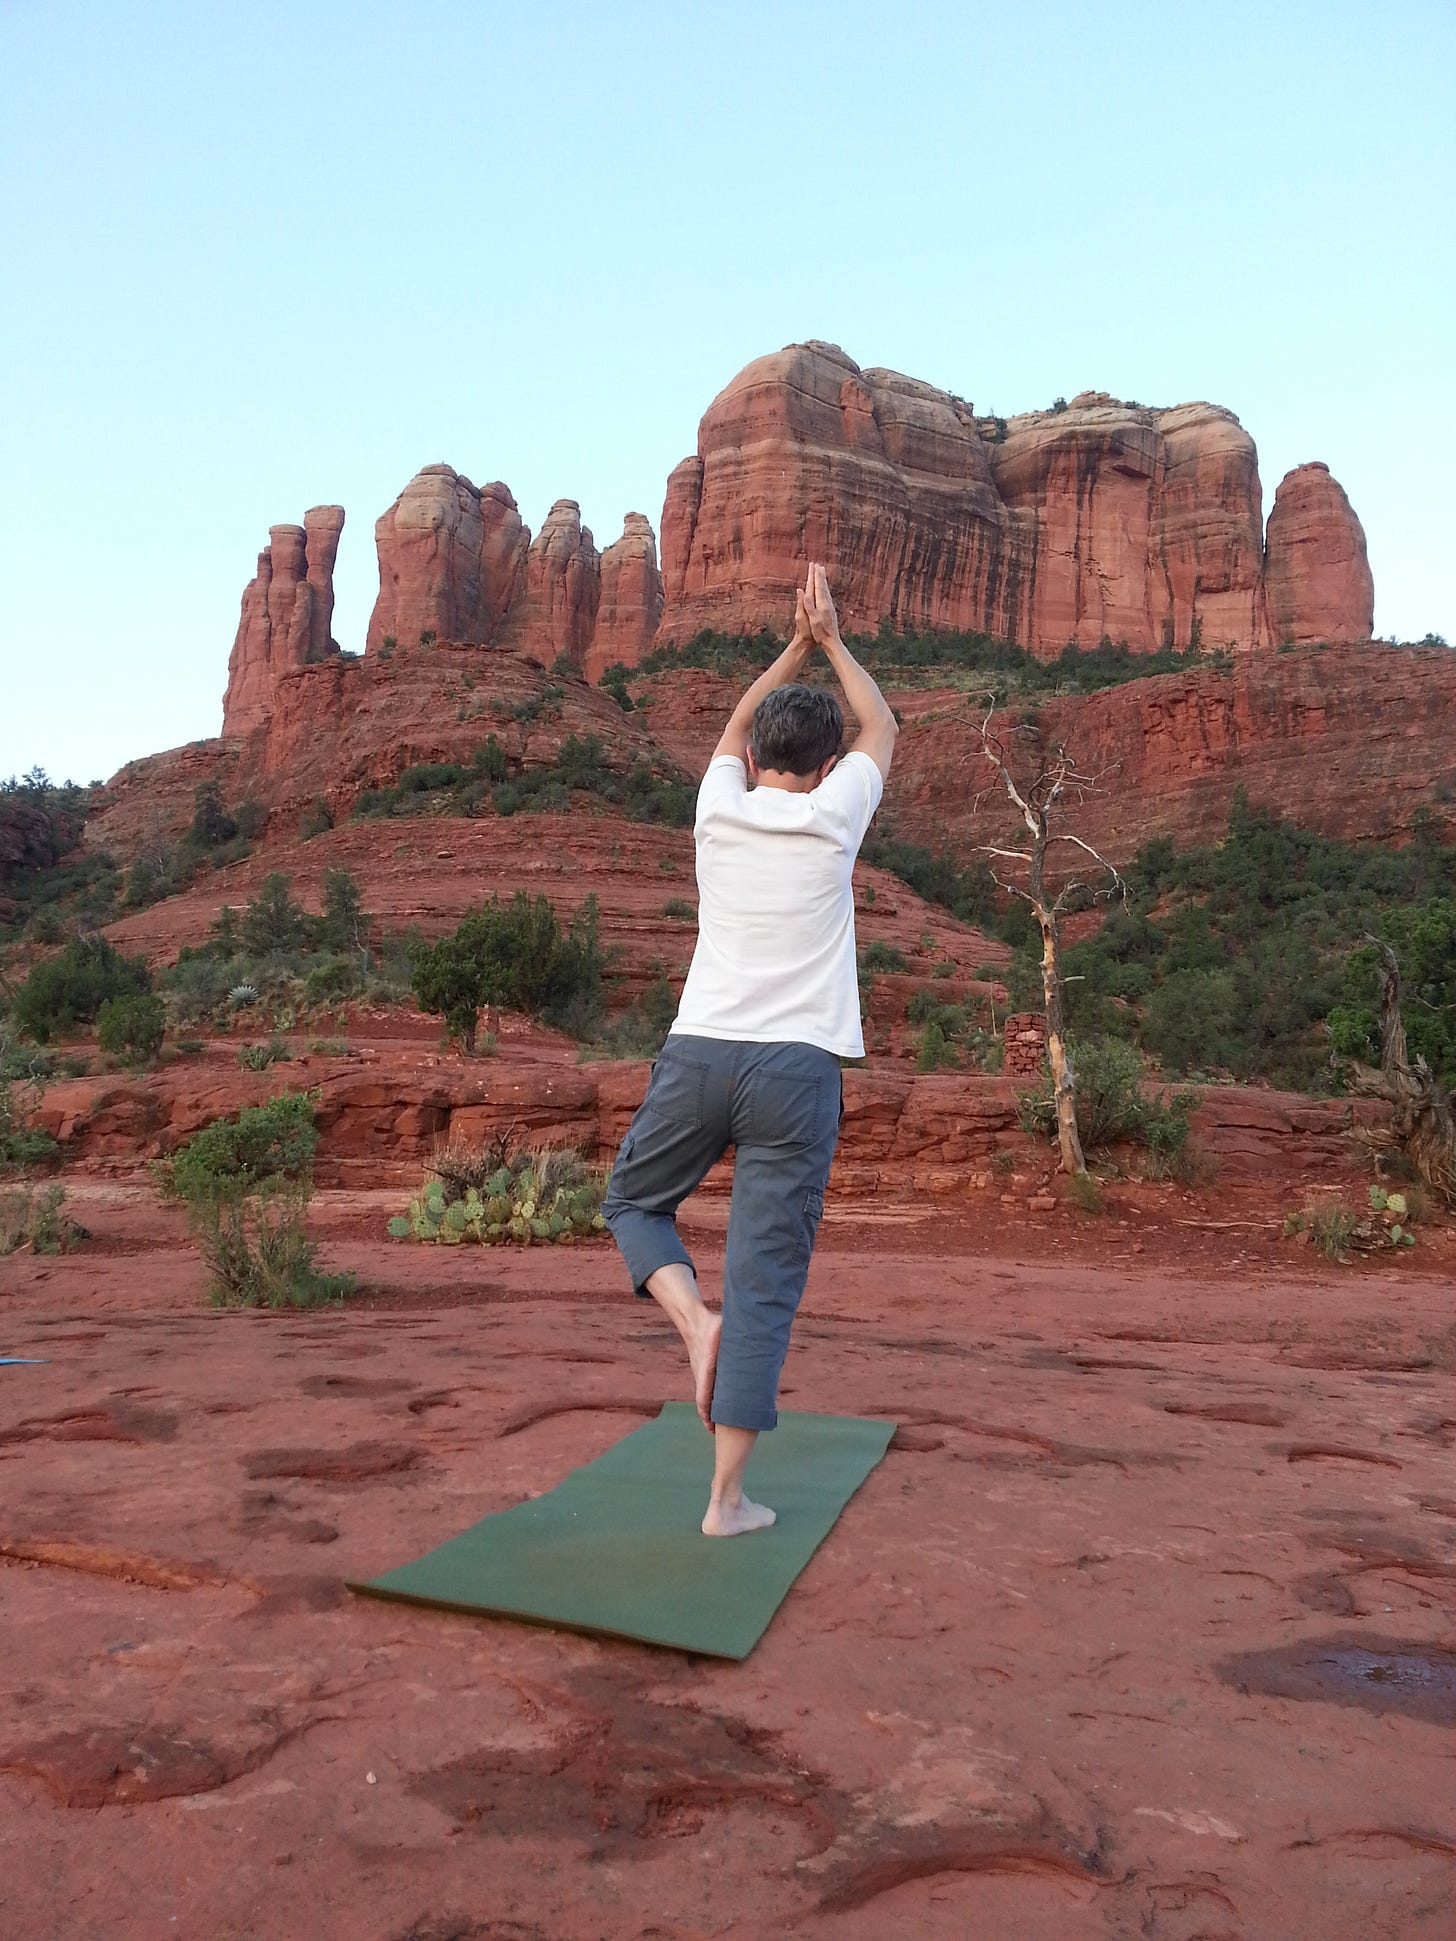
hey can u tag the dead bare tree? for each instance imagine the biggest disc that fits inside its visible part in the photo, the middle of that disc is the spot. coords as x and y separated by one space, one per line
1422 1127
1054 780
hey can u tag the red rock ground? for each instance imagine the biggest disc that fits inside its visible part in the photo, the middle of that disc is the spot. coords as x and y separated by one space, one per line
1142 1627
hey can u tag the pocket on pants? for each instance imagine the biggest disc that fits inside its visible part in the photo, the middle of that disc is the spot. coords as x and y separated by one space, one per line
813 1214
679 1089
785 1110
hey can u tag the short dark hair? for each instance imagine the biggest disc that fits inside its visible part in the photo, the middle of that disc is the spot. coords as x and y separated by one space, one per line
796 729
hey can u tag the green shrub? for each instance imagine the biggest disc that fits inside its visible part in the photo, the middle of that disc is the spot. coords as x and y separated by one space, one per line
335 979
639 1032
246 1184
257 1058
1236 958
21 1143
935 1050
273 922
70 988
1111 1105
31 1217
679 906
1085 1194
264 1144
514 955
316 819
613 681
879 956
132 1027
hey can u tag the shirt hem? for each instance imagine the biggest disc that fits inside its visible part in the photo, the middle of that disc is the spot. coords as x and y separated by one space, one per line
680 1029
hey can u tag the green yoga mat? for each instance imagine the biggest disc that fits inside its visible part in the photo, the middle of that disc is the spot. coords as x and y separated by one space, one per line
616 1546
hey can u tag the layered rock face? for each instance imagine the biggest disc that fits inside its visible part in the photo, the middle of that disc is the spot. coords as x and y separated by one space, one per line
804 456
1356 742
1317 582
1099 519
1147 525
287 613
452 558
630 608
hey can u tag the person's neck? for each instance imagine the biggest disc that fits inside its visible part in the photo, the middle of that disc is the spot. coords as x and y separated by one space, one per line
785 778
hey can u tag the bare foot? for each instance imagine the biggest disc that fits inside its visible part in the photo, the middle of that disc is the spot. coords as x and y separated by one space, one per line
703 1360
737 1519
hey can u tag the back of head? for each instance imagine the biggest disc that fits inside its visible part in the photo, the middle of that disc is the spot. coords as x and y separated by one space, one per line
796 729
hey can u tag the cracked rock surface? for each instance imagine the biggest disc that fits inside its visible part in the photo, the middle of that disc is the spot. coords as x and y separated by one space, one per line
1143 1627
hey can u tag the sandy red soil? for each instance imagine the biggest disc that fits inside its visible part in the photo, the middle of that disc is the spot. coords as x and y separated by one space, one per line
1142 1627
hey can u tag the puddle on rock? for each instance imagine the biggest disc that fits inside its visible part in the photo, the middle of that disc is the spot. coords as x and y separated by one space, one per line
1378 1674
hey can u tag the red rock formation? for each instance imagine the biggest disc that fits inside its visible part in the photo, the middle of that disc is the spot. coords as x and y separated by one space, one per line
631 599
557 608
1147 523
1317 583
287 612
452 558
1099 519
1354 742
805 456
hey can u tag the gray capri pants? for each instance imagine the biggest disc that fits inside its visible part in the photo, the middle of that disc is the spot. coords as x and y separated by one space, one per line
779 1106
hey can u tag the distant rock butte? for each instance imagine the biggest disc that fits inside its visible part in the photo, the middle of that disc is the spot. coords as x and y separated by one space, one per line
287 614
1099 519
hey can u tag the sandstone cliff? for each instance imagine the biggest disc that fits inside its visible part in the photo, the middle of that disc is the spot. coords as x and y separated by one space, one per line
287 613
1098 518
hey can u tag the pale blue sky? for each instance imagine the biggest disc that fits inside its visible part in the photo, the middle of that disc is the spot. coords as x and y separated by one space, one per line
266 256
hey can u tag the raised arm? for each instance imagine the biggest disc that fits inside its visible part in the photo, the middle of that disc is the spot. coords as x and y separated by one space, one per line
877 725
788 667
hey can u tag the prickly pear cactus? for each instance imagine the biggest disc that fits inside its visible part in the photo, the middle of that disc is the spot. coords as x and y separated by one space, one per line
516 1205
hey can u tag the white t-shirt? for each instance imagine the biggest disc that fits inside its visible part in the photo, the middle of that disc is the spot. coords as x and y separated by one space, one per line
775 955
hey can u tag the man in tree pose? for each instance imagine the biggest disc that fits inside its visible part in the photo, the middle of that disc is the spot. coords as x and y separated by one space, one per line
770 1006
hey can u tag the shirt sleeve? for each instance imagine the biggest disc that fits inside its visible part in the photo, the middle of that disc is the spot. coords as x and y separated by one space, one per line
849 796
727 777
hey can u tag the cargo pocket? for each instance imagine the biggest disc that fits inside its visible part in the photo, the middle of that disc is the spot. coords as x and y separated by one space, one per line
813 1214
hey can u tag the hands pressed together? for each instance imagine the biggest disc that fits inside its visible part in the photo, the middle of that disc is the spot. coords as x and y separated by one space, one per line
816 624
